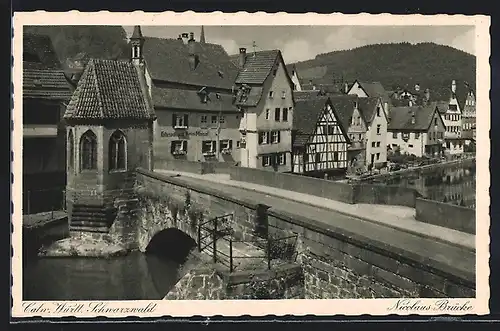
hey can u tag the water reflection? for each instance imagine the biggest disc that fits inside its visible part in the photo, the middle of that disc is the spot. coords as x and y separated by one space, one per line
455 184
136 276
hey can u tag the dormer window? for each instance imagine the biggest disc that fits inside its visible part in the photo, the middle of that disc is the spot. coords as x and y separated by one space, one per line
180 121
271 94
283 95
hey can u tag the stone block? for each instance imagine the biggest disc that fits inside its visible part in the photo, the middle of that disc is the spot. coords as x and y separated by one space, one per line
395 280
453 290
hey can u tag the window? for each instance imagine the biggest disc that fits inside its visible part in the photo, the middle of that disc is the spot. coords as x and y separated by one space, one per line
417 135
435 121
226 146
203 121
88 151
267 114
271 94
117 151
214 119
378 143
179 121
331 130
285 115
378 111
71 144
335 156
373 144
277 114
378 156
281 158
208 147
222 119
378 129
317 157
405 136
410 145
453 107
263 138
178 147
238 144
395 135
275 139
266 160
283 95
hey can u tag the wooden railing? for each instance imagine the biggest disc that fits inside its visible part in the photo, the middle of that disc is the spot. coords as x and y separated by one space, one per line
217 230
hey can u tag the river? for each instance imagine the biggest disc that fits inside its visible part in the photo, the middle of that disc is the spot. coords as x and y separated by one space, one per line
454 184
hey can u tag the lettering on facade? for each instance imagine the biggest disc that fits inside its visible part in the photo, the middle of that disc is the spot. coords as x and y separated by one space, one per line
183 134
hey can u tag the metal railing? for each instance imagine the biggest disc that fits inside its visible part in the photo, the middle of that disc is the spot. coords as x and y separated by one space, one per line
44 200
217 230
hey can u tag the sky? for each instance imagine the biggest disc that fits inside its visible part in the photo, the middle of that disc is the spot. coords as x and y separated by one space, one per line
299 43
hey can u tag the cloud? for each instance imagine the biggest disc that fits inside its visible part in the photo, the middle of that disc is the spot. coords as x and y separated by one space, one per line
465 42
229 45
297 50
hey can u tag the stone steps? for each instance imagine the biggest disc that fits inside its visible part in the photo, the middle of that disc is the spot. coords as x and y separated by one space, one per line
91 218
93 228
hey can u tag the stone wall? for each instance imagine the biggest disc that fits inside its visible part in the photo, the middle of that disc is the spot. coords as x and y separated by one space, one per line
446 215
384 195
339 264
207 282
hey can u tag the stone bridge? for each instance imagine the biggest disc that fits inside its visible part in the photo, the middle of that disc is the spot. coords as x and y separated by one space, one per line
336 255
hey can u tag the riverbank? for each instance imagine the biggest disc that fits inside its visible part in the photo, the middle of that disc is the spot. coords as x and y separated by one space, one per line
84 246
459 162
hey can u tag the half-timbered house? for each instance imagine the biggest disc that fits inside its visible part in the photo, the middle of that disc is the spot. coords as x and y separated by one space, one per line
320 138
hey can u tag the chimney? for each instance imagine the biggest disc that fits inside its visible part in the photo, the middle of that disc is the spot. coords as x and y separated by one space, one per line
193 57
243 57
453 86
417 87
346 87
410 103
185 37
179 37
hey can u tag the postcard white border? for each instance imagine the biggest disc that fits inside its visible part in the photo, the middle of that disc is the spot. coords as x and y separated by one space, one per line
264 307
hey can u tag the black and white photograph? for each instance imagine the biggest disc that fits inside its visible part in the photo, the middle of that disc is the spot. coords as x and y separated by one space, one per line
292 162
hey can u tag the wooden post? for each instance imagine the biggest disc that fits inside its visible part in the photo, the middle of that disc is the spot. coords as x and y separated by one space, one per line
231 254
215 240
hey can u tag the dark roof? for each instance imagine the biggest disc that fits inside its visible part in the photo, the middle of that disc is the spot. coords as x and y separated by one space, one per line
257 67
168 60
299 95
367 107
442 106
344 105
374 89
46 84
39 53
109 90
191 100
251 98
137 34
306 114
401 118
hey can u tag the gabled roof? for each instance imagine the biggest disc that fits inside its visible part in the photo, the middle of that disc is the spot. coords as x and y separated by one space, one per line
109 90
191 100
367 108
344 105
300 95
306 114
39 53
168 61
46 84
373 89
401 118
442 106
258 66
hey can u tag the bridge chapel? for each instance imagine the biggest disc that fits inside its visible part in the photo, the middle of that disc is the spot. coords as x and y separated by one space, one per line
109 134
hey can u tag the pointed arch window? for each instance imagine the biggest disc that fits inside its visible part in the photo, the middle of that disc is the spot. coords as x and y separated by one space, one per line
117 151
71 154
88 151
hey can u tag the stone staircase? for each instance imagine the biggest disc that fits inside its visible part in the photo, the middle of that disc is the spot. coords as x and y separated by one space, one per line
91 218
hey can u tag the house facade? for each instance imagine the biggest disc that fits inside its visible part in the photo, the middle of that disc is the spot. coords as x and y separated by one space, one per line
45 92
264 94
469 116
190 85
320 138
416 131
294 76
370 89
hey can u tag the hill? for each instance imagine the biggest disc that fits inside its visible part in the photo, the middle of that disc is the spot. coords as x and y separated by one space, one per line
82 42
430 65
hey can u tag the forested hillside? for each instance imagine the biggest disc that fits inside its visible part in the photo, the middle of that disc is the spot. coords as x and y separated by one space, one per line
82 42
430 65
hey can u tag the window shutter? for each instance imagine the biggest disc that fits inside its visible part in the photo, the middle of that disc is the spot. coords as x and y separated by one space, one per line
230 144
174 120
279 136
260 138
186 118
263 162
185 145
268 137
172 147
284 158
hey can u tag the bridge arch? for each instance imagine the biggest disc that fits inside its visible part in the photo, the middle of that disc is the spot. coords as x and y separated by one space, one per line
172 243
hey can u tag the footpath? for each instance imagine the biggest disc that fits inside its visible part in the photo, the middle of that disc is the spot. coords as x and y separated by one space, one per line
397 217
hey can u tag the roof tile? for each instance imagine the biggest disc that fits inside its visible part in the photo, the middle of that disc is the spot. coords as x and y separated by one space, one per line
401 118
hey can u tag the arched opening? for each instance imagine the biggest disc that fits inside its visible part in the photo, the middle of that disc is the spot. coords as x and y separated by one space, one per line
88 151
71 154
117 151
172 244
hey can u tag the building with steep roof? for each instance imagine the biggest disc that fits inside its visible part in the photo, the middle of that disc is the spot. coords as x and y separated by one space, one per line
294 75
319 138
264 94
416 130
370 89
110 133
190 84
45 92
